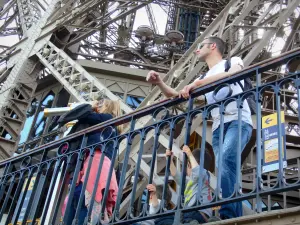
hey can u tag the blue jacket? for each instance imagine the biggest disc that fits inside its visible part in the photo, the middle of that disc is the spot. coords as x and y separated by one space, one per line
94 138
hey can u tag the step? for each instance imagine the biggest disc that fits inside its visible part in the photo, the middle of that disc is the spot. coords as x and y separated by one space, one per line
281 217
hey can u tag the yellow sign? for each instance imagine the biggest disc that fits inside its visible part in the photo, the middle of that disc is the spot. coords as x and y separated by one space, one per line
271 150
271 120
271 138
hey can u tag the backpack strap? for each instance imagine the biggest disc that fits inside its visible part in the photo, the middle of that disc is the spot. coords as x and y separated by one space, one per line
202 76
242 87
227 65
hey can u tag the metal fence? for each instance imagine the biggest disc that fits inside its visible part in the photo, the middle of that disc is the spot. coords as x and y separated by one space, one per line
33 185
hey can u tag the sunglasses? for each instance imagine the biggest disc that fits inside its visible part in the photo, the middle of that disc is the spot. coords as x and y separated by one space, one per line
201 45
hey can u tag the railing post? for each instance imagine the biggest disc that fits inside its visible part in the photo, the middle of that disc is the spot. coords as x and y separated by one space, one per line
136 175
280 141
124 170
180 201
203 148
258 144
6 171
238 185
16 196
220 154
8 193
168 163
75 176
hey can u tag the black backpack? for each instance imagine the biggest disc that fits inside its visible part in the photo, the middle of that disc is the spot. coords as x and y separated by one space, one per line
247 86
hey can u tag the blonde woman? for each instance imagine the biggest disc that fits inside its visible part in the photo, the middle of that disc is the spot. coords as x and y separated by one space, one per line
88 115
103 111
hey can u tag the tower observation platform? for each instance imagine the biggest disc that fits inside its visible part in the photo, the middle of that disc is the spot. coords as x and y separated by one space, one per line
56 55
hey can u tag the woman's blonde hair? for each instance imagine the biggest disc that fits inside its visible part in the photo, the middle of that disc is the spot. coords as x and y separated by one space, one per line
113 108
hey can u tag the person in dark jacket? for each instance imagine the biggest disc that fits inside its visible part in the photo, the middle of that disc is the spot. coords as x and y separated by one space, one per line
90 115
103 111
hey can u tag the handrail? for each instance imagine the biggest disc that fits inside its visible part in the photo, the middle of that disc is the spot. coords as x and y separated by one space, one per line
28 172
246 72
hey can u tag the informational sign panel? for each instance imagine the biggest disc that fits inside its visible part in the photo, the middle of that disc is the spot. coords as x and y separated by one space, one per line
27 197
271 142
28 193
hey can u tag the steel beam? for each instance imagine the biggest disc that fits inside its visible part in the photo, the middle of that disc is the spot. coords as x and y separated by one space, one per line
151 18
288 44
74 77
105 24
29 12
292 5
24 69
146 65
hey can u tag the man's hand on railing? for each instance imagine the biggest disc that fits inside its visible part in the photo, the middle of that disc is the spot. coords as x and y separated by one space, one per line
185 92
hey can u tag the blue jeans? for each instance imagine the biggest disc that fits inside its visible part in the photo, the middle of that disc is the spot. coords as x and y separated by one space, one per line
83 211
228 169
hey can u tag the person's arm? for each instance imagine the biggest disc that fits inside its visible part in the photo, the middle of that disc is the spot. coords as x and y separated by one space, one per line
153 77
154 201
236 65
174 173
234 68
190 156
96 118
173 169
194 164
167 90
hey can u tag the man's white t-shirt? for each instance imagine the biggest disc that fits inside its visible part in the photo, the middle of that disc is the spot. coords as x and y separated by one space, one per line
231 110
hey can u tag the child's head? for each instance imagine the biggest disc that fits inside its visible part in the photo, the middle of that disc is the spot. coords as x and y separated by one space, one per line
159 193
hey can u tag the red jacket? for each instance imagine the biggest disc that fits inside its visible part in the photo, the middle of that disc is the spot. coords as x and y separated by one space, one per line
113 187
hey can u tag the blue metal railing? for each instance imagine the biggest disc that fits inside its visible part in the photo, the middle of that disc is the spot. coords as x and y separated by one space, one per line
33 185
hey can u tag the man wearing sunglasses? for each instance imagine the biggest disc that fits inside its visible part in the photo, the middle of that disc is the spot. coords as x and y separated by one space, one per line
211 51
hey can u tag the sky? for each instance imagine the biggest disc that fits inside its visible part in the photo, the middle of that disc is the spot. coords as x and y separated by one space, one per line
142 18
